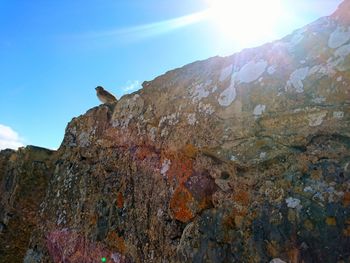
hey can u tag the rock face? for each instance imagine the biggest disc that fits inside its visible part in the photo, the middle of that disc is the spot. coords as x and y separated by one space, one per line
24 176
237 159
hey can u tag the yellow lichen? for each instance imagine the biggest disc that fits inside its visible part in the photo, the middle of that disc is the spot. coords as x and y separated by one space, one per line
308 225
346 231
331 221
190 150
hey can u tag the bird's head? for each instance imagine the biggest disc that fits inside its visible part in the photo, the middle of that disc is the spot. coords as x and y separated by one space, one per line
98 88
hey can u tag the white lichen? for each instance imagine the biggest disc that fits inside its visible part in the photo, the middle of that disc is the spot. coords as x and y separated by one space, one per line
225 73
293 202
153 133
316 119
164 132
339 37
298 36
116 257
277 260
136 97
271 70
318 197
335 65
263 155
296 79
228 95
343 51
61 217
199 92
84 139
73 130
346 167
205 108
308 189
319 100
171 119
251 71
321 69
233 158
191 119
165 167
123 122
160 213
259 110
338 115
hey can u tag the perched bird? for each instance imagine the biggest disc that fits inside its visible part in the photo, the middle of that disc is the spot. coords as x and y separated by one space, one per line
104 96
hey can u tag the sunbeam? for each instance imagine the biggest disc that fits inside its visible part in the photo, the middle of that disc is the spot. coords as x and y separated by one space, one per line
135 33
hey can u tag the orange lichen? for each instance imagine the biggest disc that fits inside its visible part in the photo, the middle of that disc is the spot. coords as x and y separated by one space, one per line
346 199
242 197
346 231
120 200
293 255
228 222
316 174
272 248
93 219
116 242
205 203
240 211
77 256
181 169
260 143
239 221
179 204
144 151
235 220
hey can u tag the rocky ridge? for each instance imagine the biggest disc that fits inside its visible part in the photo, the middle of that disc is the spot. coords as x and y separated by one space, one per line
238 159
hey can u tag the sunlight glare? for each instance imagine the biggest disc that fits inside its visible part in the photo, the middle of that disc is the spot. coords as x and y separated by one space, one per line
246 21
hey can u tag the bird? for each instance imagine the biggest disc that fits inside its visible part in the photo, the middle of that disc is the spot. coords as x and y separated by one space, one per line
104 96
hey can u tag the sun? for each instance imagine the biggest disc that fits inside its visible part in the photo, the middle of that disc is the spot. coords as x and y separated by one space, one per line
246 21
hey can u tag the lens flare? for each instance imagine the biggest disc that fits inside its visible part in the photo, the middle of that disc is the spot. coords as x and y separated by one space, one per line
246 21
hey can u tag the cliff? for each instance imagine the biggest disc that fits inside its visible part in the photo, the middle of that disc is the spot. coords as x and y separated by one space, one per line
238 159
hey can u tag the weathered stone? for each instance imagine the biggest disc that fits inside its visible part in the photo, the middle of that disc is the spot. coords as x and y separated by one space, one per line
238 159
24 176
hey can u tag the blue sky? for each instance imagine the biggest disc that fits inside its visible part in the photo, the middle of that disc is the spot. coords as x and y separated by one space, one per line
54 53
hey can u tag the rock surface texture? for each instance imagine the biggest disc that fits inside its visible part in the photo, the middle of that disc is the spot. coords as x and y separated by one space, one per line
24 177
237 159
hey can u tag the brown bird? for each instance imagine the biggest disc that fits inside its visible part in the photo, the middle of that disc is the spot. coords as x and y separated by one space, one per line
104 96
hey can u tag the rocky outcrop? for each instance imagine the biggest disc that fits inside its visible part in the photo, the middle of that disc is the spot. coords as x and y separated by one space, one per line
237 159
24 176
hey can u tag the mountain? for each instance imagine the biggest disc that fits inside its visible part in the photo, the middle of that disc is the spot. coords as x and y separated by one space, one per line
244 158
